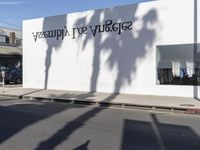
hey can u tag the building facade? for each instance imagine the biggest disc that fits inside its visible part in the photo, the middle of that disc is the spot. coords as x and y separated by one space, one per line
147 48
10 48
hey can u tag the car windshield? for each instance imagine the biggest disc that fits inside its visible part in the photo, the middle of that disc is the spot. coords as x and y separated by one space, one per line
14 70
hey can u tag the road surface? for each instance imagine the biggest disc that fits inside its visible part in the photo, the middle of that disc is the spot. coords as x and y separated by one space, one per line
35 125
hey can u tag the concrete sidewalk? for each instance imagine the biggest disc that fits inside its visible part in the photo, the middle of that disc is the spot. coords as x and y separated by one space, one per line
188 105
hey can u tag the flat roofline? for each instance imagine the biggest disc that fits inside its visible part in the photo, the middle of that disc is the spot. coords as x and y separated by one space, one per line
69 13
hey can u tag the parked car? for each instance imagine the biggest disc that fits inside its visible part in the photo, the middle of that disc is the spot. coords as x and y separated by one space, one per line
3 69
13 75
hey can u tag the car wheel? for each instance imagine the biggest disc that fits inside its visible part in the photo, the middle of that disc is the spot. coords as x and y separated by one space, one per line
7 82
18 81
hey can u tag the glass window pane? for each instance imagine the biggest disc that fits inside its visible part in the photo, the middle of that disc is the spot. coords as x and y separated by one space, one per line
178 64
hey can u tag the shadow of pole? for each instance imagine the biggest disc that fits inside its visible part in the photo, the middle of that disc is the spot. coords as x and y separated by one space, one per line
157 135
155 126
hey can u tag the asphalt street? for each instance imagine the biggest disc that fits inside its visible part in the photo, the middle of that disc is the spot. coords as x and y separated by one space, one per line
35 125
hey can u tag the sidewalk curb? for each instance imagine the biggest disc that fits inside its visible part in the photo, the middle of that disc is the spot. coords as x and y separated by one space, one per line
14 96
180 110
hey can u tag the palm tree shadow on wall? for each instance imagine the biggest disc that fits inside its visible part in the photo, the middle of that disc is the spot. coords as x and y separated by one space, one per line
95 19
123 55
54 42
124 49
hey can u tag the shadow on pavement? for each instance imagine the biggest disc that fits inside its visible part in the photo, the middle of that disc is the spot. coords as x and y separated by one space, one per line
141 135
15 118
83 146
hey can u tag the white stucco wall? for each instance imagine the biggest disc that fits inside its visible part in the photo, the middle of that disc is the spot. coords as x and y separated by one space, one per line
108 61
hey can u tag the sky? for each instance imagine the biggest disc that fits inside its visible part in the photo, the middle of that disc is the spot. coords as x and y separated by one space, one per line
13 12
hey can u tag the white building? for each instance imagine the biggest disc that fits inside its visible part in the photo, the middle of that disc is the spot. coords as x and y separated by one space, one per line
147 48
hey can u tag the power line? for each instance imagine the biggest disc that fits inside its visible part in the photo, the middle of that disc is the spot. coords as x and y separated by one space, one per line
10 24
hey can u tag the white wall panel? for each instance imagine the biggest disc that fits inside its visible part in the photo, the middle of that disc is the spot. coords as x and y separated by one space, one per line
108 61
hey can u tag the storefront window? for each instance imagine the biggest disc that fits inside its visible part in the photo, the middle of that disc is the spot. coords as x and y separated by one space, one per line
178 64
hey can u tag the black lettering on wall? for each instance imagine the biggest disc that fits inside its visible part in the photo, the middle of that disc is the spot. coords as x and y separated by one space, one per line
107 26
